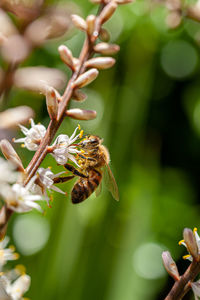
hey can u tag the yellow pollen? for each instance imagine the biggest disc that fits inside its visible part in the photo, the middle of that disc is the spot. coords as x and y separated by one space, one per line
1 273
22 145
1 253
21 269
194 230
50 167
81 134
82 151
181 242
79 162
12 247
186 256
79 126
16 255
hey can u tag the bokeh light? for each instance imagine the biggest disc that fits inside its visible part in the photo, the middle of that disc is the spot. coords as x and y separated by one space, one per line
179 59
147 261
31 232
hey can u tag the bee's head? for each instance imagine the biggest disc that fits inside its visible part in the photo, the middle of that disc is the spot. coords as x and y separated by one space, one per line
90 142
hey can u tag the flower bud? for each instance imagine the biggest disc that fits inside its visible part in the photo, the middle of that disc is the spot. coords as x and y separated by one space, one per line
51 101
100 62
191 243
124 1
96 1
2 39
11 117
90 24
10 154
15 49
78 95
104 35
81 114
107 12
170 265
66 56
107 49
86 78
79 22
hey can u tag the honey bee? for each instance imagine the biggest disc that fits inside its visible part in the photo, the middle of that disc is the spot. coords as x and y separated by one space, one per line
94 164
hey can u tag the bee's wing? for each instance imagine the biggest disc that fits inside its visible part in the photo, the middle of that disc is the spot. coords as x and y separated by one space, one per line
98 190
110 182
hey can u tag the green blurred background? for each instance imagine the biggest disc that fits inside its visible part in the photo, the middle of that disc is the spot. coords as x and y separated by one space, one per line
148 109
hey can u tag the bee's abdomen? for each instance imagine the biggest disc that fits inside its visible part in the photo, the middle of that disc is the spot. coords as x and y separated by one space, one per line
85 186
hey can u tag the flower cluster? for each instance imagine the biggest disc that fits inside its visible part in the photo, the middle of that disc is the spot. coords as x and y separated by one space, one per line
20 198
14 283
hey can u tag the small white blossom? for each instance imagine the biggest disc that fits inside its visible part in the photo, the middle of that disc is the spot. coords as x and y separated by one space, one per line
6 253
19 198
34 135
197 237
14 290
63 148
46 181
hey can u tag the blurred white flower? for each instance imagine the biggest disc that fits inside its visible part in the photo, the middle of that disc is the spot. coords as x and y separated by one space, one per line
63 148
14 290
19 198
7 173
45 181
197 237
196 289
34 135
6 253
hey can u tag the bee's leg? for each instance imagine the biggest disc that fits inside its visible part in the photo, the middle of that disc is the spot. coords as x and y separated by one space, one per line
74 171
62 179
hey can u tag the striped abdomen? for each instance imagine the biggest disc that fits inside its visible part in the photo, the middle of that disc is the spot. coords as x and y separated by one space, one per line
84 187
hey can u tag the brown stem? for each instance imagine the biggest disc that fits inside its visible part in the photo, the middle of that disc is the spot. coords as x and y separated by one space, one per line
182 286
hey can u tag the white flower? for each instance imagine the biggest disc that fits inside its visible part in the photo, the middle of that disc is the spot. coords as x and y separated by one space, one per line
63 148
18 198
46 181
6 253
197 237
34 135
7 173
196 289
14 290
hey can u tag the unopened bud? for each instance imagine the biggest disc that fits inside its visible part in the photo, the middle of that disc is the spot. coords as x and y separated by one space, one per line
107 49
107 12
66 56
90 24
81 114
191 243
10 154
100 62
12 117
2 39
170 265
79 22
86 78
104 35
52 102
78 95
97 1
124 1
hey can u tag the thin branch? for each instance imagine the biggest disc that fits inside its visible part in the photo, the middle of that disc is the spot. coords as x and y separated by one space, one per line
182 286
